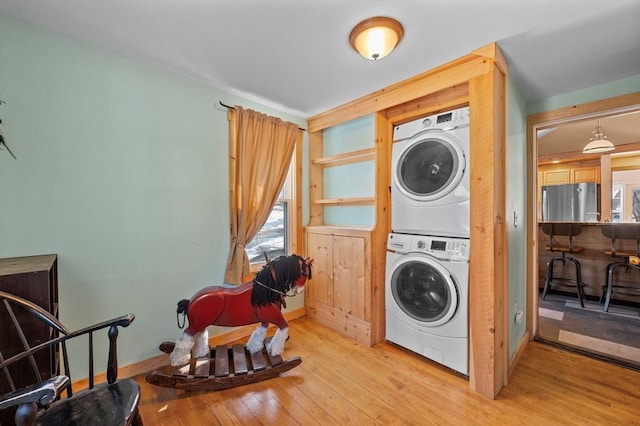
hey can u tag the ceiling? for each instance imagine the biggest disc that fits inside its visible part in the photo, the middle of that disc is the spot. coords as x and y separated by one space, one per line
294 55
620 129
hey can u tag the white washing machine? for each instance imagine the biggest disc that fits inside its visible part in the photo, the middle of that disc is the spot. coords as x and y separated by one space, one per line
427 291
430 175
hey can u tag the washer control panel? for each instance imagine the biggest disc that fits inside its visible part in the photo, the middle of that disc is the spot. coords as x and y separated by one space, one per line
444 248
447 119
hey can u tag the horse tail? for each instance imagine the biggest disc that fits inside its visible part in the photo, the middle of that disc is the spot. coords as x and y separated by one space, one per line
182 309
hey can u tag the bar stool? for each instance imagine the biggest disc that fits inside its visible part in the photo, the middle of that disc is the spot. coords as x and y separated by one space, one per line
616 232
568 231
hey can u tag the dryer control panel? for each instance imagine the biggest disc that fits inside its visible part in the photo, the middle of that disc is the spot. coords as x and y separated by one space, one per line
443 248
444 121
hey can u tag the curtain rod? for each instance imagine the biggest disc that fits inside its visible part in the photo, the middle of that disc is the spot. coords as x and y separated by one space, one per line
230 107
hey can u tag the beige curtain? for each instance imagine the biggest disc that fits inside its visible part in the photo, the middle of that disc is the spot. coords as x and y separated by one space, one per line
260 152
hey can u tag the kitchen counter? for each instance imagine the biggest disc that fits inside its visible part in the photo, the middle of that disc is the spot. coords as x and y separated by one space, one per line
593 261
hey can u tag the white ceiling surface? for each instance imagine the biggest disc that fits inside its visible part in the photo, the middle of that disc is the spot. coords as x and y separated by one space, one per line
294 55
620 129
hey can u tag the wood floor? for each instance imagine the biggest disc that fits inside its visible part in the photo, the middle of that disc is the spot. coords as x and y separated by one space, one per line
342 382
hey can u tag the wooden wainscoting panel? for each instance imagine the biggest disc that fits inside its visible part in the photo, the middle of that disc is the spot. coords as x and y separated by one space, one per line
348 324
320 288
349 275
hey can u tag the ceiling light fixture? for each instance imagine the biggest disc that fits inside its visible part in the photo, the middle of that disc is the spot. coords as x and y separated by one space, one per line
375 38
598 142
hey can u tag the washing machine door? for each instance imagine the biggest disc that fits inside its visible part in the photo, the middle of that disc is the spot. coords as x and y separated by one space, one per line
429 166
424 290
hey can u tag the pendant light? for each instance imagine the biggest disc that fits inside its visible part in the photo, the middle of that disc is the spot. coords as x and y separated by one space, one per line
598 142
375 38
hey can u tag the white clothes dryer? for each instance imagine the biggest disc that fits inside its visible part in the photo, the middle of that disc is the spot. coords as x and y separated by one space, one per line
430 175
427 292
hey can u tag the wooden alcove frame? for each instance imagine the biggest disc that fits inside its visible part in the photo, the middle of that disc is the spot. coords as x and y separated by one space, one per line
479 80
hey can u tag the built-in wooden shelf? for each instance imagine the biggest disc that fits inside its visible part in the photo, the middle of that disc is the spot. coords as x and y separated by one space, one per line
350 201
367 154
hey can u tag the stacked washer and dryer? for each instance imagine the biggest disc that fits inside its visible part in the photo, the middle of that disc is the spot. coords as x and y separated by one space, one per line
427 268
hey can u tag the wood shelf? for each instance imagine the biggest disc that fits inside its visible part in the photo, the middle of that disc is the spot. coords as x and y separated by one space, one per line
349 296
350 201
368 154
340 229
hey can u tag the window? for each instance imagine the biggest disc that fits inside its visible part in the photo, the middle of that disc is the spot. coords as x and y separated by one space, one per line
273 239
625 196
617 201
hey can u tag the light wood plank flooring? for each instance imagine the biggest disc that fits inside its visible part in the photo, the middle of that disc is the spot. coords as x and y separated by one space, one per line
341 382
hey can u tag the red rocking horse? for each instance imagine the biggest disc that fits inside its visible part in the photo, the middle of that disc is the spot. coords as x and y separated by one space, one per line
259 300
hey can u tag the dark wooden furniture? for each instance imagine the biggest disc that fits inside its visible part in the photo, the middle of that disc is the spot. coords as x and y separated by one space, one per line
561 241
112 403
34 278
617 232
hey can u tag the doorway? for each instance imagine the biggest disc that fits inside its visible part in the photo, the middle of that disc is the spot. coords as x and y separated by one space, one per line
557 317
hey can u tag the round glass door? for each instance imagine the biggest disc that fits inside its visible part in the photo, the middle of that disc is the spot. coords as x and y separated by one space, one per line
430 168
424 291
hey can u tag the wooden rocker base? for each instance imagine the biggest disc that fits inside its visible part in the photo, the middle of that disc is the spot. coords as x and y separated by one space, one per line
226 367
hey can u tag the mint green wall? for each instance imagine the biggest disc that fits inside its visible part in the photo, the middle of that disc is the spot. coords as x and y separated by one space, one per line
516 202
603 91
122 171
351 180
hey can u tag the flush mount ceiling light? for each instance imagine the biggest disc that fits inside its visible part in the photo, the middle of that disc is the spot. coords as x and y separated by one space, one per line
598 142
375 38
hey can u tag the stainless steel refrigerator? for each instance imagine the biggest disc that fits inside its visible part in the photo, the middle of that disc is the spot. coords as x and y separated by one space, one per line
578 202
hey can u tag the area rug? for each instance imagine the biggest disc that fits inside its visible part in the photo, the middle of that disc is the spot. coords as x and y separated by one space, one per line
621 311
613 335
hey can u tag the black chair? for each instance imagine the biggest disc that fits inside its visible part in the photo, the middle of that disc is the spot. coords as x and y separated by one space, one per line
617 232
37 398
566 232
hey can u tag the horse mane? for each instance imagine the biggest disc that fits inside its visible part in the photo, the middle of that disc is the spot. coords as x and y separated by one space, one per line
279 275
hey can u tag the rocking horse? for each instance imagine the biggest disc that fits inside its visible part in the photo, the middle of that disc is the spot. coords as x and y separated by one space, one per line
261 300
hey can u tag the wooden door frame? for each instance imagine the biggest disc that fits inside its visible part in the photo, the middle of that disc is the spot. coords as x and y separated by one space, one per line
600 108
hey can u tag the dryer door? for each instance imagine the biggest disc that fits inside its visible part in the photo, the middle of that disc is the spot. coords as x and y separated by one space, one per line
430 166
424 289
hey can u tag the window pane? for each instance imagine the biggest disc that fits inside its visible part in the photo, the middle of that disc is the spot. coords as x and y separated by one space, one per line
272 238
617 202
